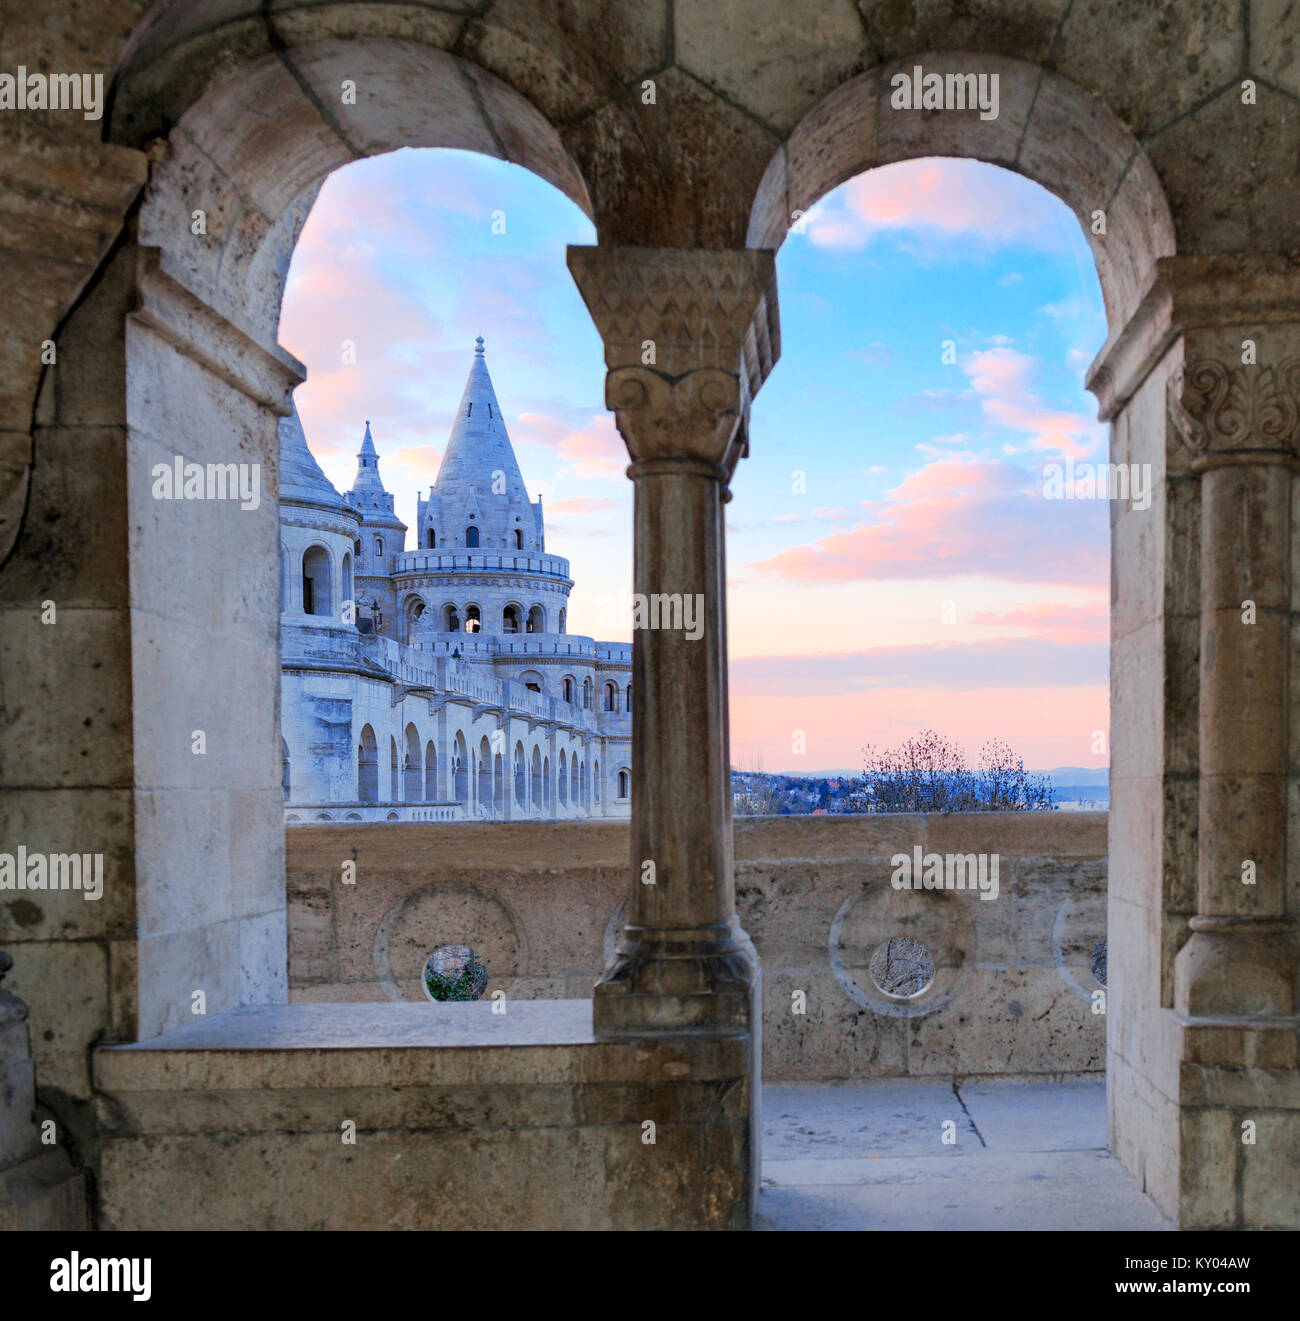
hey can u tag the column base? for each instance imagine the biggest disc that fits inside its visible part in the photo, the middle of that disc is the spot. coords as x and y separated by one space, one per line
1238 967
693 980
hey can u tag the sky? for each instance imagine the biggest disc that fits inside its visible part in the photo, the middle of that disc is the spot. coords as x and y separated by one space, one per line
894 563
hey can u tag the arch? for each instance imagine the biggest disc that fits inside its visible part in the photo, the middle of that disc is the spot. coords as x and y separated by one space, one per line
563 617
347 579
498 785
430 772
285 779
521 785
412 771
1048 129
628 698
536 619
460 769
563 785
533 680
582 785
379 547
413 609
568 687
546 785
595 780
586 694
450 618
471 538
473 619
536 785
624 782
317 575
484 776
519 539
394 772
575 788
611 696
512 619
431 539
367 767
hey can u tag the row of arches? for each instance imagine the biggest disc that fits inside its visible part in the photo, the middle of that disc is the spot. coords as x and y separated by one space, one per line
472 538
413 776
469 618
320 592
611 697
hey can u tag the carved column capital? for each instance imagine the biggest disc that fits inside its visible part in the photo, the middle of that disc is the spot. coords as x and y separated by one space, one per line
1233 413
689 335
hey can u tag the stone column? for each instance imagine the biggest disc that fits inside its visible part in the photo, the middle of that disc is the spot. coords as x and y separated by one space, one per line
689 338
1241 422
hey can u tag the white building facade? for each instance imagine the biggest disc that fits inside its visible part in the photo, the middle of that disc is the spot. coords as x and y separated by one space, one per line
440 683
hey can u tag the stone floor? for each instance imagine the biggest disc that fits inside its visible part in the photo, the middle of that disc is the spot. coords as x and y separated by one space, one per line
1021 1155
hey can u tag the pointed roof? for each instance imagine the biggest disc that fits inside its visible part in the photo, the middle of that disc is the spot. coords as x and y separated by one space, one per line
368 481
301 478
479 444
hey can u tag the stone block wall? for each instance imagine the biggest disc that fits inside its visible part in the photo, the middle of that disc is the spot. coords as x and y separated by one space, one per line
1012 991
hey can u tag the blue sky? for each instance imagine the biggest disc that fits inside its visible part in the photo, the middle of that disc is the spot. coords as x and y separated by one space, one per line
914 576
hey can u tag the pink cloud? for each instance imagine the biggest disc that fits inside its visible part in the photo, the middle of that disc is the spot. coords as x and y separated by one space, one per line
581 505
946 195
1056 623
593 450
958 516
1002 376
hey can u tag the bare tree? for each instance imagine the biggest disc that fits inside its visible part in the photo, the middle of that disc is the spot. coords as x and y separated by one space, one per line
929 773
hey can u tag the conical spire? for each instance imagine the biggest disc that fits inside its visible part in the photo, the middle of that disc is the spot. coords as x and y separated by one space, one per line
479 446
301 478
368 483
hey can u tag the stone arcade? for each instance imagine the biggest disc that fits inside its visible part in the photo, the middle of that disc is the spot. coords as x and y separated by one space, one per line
1180 124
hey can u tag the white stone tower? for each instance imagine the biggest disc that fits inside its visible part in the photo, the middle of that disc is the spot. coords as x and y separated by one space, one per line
482 545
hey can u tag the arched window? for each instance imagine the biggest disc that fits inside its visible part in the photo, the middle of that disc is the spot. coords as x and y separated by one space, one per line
412 772
460 769
433 539
471 538
485 801
367 767
451 618
586 694
629 697
568 690
562 616
472 621
624 781
430 772
537 620
316 581
379 545
510 620
519 539
574 787
347 578
394 773
611 697
595 781
564 778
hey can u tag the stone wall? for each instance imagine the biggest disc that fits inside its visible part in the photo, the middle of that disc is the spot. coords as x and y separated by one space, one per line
1012 987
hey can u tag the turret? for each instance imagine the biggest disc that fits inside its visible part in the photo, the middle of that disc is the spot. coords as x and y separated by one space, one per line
479 500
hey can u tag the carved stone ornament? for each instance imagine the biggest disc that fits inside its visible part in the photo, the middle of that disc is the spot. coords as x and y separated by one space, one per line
1217 409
